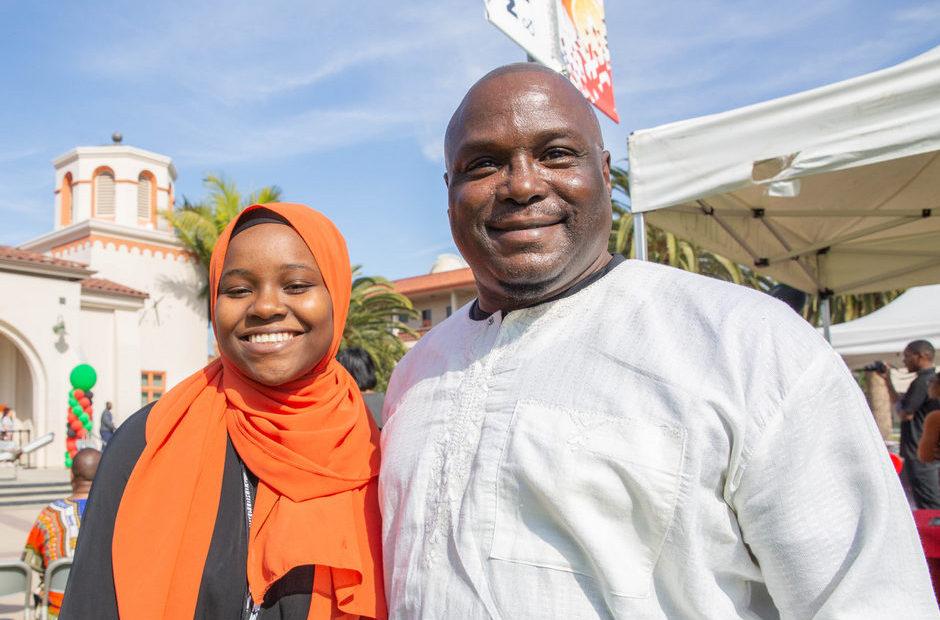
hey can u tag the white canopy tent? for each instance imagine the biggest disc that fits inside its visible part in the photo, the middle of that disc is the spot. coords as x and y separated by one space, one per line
833 190
884 333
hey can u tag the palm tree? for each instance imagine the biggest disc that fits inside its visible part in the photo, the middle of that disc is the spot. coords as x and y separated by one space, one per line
377 313
198 225
664 247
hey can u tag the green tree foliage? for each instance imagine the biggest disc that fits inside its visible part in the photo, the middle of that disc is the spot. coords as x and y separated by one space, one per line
664 247
198 225
376 315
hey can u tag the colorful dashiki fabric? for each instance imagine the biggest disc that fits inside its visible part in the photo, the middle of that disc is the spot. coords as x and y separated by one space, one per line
53 537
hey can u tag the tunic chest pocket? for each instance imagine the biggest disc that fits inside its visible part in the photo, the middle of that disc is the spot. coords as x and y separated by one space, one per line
587 493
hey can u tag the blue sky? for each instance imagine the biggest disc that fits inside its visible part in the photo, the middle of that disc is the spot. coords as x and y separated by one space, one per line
344 104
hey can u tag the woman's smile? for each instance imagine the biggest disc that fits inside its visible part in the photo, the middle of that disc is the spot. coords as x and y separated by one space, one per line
266 343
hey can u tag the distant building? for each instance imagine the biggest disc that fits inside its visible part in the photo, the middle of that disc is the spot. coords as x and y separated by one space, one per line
438 294
110 286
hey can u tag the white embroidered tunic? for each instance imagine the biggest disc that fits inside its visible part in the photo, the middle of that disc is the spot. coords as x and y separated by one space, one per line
656 445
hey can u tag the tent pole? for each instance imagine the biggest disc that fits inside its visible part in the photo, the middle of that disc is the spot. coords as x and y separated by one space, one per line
639 236
825 313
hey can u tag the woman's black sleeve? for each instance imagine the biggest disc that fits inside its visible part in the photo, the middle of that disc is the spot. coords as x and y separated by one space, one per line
90 589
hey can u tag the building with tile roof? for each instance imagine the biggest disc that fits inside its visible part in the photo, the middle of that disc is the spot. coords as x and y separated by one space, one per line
438 294
110 285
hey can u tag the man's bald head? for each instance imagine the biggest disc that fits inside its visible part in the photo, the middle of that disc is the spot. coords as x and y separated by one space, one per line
507 80
85 464
528 186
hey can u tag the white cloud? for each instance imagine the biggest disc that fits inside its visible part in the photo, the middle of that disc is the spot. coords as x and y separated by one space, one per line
16 154
309 132
433 148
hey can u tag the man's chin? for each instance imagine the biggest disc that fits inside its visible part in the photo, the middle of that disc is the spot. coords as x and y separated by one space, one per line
529 283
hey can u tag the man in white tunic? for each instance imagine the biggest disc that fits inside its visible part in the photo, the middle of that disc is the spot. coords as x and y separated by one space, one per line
599 438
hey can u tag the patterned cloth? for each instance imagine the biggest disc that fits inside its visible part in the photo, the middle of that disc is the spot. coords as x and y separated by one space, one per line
53 537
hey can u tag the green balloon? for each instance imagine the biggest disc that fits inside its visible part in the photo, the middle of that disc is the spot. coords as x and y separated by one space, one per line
72 401
77 410
83 417
87 425
68 459
83 377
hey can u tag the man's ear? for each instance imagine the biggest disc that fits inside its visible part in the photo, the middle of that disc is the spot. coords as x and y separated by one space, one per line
446 180
606 169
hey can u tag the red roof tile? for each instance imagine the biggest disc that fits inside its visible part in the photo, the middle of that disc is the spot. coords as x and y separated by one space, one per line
100 285
26 256
442 280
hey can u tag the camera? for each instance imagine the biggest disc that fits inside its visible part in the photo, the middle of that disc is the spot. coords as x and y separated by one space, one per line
876 366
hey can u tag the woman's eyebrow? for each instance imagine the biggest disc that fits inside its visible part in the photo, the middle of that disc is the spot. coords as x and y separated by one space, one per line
236 272
290 266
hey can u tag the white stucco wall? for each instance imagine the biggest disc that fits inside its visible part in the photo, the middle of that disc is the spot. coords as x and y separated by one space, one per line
437 302
29 308
110 342
96 347
172 325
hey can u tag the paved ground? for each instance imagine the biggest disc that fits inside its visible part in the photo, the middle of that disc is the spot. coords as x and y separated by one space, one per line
15 524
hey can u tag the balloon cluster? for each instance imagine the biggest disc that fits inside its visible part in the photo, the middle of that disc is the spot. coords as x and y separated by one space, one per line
83 378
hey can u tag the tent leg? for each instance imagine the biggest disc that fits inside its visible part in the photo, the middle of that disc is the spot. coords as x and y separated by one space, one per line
639 236
825 313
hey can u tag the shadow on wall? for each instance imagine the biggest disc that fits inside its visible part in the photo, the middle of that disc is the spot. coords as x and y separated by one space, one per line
182 289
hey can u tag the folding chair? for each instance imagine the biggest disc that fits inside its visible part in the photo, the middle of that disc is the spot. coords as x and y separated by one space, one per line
57 576
15 577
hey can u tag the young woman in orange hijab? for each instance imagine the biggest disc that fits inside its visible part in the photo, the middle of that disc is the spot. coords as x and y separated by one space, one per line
249 489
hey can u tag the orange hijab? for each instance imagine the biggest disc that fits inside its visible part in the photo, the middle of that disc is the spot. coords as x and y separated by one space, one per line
313 446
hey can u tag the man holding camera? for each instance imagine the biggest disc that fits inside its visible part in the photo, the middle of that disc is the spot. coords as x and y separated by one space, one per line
912 408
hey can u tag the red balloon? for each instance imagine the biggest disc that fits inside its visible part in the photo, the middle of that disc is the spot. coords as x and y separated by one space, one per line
84 402
897 461
70 444
71 416
78 394
76 425
88 410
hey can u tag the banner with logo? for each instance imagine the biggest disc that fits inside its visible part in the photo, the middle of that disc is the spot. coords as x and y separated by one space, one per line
531 24
569 36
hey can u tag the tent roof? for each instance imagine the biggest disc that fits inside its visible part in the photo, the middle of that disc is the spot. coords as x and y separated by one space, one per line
832 189
912 316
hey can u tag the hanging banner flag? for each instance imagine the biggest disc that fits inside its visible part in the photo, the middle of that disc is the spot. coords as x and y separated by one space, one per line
531 24
569 36
582 37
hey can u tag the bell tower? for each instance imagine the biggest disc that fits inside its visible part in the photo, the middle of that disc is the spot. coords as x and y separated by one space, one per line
115 183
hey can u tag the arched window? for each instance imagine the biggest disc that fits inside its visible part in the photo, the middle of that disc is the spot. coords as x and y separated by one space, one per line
146 197
65 200
104 193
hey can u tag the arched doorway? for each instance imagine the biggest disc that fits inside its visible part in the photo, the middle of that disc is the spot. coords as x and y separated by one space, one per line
22 383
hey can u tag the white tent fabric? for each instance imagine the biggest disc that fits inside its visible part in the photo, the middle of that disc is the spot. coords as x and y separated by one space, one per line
835 189
884 333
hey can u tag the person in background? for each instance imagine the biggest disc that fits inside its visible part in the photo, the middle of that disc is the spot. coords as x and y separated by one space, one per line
923 479
55 531
359 363
6 423
106 428
928 448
